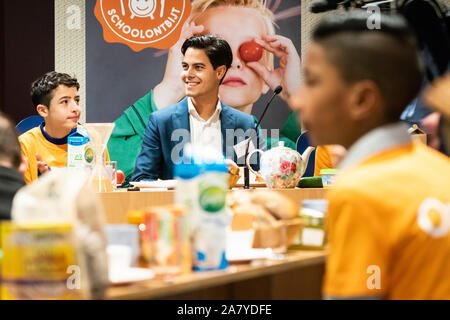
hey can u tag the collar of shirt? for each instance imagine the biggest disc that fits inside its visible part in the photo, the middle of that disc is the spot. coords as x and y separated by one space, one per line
380 139
57 141
193 112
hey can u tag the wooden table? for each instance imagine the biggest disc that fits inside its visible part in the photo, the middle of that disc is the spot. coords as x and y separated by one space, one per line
117 204
297 277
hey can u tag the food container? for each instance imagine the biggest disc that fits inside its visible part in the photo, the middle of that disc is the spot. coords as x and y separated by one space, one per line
166 240
40 262
127 235
328 177
313 234
136 217
278 237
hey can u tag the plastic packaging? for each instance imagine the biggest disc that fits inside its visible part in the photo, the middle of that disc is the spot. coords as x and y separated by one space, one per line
167 245
328 177
313 234
62 221
79 151
204 185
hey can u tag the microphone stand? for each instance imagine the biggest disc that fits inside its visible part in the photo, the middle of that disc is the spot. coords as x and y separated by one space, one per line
246 170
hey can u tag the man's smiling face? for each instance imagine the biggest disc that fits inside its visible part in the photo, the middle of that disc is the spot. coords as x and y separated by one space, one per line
198 75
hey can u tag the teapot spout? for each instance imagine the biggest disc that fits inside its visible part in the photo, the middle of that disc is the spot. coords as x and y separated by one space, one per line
305 158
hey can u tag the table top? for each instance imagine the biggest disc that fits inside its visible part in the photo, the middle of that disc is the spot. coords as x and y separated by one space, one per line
154 289
117 204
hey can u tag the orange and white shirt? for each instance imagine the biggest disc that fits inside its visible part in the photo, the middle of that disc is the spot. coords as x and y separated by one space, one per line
53 151
388 220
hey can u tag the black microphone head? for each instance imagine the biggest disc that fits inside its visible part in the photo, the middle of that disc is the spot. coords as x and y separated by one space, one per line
278 89
323 5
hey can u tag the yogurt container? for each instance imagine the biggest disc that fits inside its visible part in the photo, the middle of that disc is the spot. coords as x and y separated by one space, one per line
328 177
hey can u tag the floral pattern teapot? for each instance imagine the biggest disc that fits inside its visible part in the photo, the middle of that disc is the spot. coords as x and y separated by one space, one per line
281 167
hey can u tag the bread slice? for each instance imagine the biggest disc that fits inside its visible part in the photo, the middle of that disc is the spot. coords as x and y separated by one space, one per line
278 205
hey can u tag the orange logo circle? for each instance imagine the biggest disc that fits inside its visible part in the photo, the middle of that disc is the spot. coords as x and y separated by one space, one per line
142 23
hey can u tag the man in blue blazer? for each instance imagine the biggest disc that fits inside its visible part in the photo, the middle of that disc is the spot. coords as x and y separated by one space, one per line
200 118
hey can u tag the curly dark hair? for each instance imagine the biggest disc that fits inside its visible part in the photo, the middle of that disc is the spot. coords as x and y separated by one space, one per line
42 88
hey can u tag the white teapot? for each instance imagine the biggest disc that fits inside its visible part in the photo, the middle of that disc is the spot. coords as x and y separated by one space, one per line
281 167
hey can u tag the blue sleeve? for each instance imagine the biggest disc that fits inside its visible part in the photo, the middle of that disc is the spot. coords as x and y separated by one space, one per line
148 163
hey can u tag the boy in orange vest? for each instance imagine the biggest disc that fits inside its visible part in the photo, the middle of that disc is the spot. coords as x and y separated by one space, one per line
389 211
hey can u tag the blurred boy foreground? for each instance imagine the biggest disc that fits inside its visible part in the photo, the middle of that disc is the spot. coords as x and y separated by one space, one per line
12 166
388 215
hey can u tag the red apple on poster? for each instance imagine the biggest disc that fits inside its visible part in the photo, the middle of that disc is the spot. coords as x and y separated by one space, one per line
250 51
120 177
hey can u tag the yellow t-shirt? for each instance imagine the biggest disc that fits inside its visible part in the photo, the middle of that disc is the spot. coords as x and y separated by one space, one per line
389 227
323 159
52 151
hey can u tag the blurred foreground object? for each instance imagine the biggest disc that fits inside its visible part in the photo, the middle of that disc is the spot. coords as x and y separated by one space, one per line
56 245
437 95
274 217
12 166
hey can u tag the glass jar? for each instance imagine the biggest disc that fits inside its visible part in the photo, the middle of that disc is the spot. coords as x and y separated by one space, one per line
313 234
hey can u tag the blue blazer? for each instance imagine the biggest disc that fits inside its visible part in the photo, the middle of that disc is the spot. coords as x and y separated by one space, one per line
161 139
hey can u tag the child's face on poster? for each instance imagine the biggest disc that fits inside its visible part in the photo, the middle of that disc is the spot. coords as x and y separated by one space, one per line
241 86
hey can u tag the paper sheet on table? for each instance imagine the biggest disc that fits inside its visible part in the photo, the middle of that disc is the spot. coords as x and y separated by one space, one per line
166 184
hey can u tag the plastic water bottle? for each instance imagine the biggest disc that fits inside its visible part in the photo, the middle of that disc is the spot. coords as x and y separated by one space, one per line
186 193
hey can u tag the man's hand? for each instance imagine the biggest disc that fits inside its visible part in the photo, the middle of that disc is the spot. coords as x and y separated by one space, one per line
288 74
171 89
338 153
430 125
42 166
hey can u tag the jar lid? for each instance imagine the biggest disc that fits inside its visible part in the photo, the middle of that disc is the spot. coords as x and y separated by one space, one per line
135 216
312 213
315 204
329 171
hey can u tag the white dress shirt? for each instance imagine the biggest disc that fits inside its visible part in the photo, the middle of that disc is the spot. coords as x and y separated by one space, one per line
206 132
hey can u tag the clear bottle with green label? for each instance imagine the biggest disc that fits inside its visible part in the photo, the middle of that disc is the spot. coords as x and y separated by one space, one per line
210 235
203 185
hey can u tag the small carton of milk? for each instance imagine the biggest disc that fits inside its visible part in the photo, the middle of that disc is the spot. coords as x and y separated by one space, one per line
417 134
79 151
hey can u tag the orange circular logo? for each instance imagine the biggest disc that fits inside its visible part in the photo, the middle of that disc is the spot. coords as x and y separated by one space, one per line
142 23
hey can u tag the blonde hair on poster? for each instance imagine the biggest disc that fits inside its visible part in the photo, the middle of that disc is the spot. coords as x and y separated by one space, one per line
200 6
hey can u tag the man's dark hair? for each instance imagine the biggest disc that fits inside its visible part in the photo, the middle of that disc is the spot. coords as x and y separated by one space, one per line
389 55
9 144
217 49
42 88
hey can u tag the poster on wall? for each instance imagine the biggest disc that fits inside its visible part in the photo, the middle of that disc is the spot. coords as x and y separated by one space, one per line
133 58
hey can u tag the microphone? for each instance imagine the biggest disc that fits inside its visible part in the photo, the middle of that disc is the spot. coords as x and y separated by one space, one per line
319 6
277 90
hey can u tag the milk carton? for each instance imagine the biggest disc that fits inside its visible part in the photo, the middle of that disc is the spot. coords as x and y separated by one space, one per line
202 186
79 152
